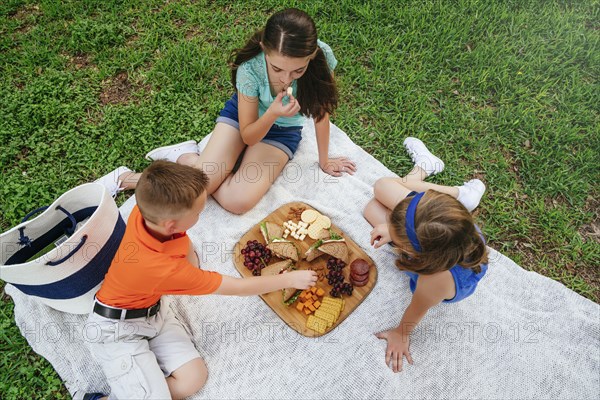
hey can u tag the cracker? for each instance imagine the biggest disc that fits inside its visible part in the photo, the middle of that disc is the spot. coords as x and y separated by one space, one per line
316 324
327 316
324 221
309 216
314 230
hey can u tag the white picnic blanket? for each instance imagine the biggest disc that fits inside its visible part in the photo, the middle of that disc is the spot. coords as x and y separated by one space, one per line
521 335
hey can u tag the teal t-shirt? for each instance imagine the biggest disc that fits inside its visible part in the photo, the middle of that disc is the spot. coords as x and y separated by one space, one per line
252 80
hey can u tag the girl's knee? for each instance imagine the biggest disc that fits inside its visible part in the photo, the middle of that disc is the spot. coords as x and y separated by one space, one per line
368 208
236 203
239 206
381 186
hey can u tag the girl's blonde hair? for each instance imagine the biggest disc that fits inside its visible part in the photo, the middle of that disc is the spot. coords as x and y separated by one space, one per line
445 231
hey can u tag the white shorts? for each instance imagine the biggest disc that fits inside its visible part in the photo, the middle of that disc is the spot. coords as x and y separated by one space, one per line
138 354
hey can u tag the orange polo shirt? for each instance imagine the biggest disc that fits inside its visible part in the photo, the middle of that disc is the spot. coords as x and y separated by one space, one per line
145 268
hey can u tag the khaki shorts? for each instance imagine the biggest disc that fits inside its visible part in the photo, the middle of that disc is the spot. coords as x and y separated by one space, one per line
137 354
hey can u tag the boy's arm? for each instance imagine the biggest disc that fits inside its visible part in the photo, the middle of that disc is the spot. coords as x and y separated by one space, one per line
266 284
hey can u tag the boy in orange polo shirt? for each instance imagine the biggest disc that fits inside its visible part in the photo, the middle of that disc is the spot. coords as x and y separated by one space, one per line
144 350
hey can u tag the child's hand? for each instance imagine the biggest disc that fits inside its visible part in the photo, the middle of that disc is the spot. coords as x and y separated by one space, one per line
380 235
337 166
288 110
397 348
302 279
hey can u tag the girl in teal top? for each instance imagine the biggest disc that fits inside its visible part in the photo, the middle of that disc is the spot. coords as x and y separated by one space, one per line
282 75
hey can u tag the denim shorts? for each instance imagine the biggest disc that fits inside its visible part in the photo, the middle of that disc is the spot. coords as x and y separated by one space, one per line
285 138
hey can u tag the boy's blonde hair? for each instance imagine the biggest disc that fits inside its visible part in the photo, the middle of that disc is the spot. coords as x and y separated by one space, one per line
446 232
166 190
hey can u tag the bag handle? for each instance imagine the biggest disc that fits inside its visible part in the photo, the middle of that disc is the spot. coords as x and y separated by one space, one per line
65 258
25 218
24 239
68 231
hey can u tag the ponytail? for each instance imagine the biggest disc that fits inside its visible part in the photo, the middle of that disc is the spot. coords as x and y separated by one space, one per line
317 91
248 52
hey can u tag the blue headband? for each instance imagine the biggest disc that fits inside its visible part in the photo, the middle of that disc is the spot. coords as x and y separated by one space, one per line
410 222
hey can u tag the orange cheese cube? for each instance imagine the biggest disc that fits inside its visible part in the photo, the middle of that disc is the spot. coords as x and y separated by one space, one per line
313 289
299 306
307 311
320 292
311 307
317 304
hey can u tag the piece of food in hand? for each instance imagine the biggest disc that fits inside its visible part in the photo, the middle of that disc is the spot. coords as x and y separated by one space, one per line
270 231
278 268
284 249
290 91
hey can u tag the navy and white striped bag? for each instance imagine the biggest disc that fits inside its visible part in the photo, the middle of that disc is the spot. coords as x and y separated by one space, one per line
62 255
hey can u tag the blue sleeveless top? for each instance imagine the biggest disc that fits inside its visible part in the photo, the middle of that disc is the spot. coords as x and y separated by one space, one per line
465 279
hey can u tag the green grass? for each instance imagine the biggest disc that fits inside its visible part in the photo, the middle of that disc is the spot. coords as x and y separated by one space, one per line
503 90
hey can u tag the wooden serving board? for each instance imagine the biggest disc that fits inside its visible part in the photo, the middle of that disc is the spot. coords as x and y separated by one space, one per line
289 314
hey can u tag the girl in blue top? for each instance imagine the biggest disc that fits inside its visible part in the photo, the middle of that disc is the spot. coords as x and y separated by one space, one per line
438 244
282 75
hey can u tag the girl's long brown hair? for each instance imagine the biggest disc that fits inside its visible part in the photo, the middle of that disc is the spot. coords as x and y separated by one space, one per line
292 33
446 232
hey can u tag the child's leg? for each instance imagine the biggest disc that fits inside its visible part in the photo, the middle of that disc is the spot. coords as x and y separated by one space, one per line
219 157
187 379
422 186
118 180
376 213
390 191
178 358
261 165
129 180
131 368
469 194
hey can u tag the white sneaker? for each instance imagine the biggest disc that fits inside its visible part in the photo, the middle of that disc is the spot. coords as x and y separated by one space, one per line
422 157
172 152
470 193
112 182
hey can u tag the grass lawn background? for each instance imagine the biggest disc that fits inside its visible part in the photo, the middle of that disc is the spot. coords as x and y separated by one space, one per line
506 91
